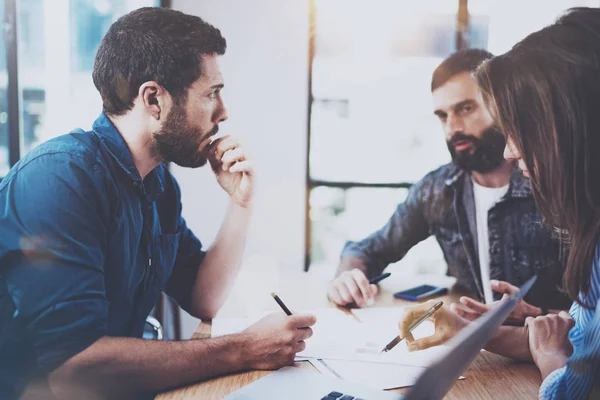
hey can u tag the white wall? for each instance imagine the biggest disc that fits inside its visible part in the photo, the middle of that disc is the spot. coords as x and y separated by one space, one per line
266 77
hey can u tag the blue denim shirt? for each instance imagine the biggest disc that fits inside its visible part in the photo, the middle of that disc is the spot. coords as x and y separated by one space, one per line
442 205
86 247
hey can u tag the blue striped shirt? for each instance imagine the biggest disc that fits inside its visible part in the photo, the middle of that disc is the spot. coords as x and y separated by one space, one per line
580 378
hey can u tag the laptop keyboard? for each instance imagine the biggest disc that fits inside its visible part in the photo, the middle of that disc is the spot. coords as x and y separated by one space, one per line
340 396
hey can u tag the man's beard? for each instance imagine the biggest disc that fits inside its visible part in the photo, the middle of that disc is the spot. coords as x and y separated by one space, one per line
486 153
178 142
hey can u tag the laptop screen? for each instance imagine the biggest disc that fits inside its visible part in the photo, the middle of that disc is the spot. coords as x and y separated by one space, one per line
464 347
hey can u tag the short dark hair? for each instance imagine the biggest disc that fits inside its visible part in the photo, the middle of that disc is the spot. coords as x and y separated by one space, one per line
152 44
462 61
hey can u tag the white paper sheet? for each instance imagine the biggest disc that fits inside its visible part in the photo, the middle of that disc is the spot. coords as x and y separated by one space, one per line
378 376
356 336
323 367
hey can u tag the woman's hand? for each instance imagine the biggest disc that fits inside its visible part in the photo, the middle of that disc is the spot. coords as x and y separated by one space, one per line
549 341
447 324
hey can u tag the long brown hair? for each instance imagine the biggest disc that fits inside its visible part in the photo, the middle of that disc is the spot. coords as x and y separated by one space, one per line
545 96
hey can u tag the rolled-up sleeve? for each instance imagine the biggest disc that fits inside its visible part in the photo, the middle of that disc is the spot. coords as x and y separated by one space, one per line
54 264
406 227
580 378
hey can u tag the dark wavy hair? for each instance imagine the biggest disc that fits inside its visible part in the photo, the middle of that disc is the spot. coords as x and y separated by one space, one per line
545 95
152 44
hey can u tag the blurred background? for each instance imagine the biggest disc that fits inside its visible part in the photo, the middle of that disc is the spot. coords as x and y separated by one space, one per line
332 98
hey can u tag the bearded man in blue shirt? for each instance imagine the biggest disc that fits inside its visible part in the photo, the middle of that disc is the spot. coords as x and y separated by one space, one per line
91 229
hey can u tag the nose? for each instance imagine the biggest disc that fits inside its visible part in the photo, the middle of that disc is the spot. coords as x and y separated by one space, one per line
509 151
221 112
453 126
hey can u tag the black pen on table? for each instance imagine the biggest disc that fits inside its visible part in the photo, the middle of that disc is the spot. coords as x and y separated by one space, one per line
416 323
377 279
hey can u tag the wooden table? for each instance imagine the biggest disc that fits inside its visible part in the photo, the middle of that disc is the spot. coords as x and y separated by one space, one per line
489 377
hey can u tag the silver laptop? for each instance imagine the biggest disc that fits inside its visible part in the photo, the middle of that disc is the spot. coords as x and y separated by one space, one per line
299 384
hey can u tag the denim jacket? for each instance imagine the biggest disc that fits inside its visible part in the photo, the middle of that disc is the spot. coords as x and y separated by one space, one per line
442 204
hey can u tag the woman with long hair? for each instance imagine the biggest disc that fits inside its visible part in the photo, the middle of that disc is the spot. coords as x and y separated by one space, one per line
545 96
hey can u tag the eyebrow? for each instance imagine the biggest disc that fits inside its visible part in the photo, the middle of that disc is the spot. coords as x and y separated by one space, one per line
463 103
217 86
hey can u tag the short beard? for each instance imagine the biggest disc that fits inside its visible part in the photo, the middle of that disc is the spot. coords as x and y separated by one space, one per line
487 153
178 142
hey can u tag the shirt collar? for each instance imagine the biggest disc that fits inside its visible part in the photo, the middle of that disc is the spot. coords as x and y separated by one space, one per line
455 174
112 140
519 185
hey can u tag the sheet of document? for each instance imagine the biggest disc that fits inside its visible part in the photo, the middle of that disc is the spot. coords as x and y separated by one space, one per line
375 375
352 336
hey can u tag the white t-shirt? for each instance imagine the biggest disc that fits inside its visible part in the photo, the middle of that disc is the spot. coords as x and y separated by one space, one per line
485 198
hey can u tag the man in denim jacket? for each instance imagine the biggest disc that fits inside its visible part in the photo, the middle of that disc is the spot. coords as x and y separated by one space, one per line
479 207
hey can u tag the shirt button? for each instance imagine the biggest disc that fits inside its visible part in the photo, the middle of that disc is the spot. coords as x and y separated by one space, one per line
135 183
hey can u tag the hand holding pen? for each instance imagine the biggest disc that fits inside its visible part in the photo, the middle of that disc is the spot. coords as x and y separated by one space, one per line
413 317
274 341
353 288
446 323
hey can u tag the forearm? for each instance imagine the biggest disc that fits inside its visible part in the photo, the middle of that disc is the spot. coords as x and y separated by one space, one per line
389 244
129 367
510 341
221 264
352 262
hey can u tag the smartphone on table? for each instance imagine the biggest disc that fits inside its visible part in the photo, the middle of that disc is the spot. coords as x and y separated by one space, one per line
420 292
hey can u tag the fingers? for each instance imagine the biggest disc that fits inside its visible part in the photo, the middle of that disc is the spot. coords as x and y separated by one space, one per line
241 166
363 285
221 145
503 287
227 154
564 314
464 312
301 321
303 334
567 317
299 346
338 293
351 287
411 314
354 291
426 342
374 290
475 306
529 322
232 156
334 295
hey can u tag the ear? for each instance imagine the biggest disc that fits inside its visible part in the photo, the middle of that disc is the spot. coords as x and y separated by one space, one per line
155 99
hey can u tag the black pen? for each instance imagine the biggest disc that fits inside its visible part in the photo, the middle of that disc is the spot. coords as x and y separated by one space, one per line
283 306
377 279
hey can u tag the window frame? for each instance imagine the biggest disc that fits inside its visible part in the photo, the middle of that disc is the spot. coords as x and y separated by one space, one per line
13 96
462 42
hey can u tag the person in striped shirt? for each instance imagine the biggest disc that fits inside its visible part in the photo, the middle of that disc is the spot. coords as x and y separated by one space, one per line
545 95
